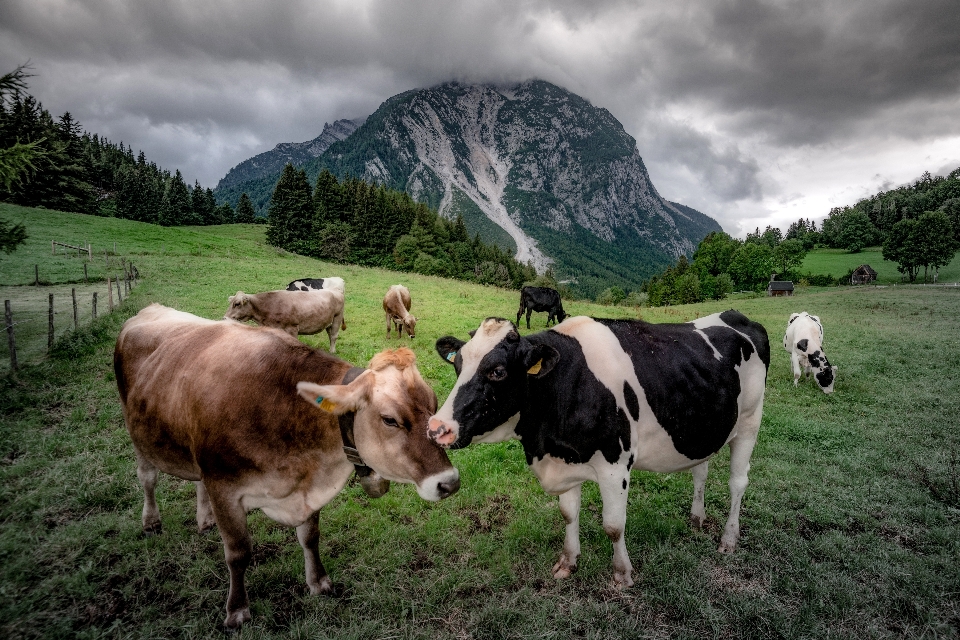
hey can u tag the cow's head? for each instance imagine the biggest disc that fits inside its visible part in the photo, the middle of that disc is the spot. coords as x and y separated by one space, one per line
410 324
823 372
392 405
240 308
493 371
562 315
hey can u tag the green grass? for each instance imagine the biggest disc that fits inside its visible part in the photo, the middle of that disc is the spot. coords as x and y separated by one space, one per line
837 262
851 523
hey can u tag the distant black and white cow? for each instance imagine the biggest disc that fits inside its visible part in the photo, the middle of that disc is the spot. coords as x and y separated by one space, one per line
804 341
306 284
592 399
541 299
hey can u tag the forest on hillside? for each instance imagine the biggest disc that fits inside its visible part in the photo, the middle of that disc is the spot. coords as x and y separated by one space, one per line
358 222
917 225
61 166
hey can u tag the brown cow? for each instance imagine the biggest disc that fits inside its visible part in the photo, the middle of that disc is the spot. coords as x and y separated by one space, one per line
216 402
296 312
396 305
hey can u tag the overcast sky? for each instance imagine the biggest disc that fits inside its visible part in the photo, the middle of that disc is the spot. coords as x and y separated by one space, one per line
754 112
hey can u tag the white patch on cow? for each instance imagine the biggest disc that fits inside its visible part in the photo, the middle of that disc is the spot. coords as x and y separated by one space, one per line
506 431
488 336
650 444
705 322
803 326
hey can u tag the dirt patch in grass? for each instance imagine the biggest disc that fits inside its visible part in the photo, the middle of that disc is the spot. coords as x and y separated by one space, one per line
493 515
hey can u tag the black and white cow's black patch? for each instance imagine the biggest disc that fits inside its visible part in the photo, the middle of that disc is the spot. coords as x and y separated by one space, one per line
305 284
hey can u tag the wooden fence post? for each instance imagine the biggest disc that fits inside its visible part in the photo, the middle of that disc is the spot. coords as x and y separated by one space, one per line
53 247
94 305
89 252
109 294
76 320
119 293
10 339
84 273
50 325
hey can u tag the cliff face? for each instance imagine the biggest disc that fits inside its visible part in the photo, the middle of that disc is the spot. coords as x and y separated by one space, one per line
542 164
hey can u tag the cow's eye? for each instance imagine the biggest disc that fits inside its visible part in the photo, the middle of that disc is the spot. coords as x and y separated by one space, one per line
390 422
497 374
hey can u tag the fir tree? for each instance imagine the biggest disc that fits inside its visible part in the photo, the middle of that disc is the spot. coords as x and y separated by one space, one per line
177 208
291 211
245 212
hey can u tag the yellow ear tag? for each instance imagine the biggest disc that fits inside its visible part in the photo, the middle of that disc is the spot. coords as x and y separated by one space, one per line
535 369
326 404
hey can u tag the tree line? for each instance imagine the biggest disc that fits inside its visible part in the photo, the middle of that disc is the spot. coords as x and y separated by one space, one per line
54 163
353 221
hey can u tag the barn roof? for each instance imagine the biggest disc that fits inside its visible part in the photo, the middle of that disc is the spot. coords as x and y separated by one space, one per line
780 285
865 268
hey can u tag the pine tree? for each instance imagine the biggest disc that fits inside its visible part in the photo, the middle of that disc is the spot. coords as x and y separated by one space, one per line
245 212
291 212
176 208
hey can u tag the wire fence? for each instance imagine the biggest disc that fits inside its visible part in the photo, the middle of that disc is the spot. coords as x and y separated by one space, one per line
35 317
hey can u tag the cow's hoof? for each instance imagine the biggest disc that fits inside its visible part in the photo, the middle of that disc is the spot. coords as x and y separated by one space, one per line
696 522
152 529
235 620
622 580
326 587
206 527
564 568
727 547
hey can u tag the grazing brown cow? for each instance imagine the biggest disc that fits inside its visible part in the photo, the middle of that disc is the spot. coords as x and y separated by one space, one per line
296 312
216 402
396 304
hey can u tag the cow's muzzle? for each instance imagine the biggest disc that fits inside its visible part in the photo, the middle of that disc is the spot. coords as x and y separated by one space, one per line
443 432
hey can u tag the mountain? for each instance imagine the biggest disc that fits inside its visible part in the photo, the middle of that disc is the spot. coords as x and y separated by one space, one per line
532 167
264 168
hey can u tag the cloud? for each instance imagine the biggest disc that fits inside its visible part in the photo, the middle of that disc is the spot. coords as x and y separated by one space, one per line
718 93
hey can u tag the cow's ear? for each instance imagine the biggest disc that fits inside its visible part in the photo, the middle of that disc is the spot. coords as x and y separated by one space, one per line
448 346
338 398
541 359
793 316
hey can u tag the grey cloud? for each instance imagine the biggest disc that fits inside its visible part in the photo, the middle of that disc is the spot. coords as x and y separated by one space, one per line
714 91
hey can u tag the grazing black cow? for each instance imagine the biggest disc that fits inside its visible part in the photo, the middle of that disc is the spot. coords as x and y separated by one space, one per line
541 299
591 399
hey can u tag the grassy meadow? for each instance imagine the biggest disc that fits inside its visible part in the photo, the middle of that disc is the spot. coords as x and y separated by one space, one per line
850 525
837 262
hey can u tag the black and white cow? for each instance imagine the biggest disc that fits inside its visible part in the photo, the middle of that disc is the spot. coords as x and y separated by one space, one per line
541 299
804 341
592 399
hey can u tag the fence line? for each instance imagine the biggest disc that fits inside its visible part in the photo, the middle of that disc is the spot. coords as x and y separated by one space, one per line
25 326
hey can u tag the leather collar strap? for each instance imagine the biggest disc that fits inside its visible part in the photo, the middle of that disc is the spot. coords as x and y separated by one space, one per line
346 430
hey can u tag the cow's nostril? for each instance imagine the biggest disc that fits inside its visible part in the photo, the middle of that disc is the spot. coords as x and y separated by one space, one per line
447 489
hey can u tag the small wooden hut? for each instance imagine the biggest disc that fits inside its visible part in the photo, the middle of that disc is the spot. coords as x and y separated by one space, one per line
863 274
779 287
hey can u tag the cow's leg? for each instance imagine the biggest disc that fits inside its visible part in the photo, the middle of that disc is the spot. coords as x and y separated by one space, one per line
529 313
741 448
237 549
389 322
697 513
205 519
519 313
318 582
614 490
332 331
147 473
570 510
797 369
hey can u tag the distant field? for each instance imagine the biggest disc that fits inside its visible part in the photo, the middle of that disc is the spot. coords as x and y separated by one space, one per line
837 262
851 522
